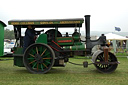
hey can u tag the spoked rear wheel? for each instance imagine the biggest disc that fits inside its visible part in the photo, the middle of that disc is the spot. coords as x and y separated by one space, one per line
39 58
105 68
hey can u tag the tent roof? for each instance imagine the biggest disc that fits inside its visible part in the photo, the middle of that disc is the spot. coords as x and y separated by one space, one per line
112 36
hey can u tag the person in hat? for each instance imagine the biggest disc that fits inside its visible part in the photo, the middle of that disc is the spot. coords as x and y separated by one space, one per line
30 36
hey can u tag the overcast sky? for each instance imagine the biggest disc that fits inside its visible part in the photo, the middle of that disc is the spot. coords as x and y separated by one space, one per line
105 14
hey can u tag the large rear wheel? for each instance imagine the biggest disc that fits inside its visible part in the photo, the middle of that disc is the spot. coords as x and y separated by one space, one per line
39 58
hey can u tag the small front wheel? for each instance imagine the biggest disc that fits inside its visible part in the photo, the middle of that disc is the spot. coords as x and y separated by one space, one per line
39 58
98 57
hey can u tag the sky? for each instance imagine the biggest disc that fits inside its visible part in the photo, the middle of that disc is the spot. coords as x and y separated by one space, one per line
105 14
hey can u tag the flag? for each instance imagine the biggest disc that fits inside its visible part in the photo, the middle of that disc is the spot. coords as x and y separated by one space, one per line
117 29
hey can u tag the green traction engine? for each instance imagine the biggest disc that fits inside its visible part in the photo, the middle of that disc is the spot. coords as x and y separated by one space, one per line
52 48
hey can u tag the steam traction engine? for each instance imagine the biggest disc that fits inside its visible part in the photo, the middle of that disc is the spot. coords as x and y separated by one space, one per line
53 49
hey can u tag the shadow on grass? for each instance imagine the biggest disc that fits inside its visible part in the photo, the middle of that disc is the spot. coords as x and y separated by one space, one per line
52 71
22 71
59 70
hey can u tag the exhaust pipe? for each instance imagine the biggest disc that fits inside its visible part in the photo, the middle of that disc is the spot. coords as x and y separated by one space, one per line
91 43
87 28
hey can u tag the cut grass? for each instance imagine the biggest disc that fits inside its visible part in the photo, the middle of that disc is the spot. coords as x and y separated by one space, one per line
69 75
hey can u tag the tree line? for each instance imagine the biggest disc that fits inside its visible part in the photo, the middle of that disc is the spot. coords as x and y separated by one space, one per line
9 34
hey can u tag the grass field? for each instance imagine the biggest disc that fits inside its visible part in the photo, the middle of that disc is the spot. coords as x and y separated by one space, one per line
69 75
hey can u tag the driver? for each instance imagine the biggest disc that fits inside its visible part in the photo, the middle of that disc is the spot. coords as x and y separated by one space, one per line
30 36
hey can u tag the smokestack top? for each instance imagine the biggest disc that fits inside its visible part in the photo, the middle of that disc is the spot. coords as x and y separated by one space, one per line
87 16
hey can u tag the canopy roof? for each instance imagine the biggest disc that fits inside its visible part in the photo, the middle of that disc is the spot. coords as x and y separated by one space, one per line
112 36
3 23
49 23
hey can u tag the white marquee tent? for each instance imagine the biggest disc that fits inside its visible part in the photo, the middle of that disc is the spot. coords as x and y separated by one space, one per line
112 36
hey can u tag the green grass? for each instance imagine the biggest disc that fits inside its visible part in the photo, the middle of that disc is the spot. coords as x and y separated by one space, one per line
69 75
122 54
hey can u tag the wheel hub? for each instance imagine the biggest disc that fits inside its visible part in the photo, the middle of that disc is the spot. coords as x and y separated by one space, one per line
38 58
